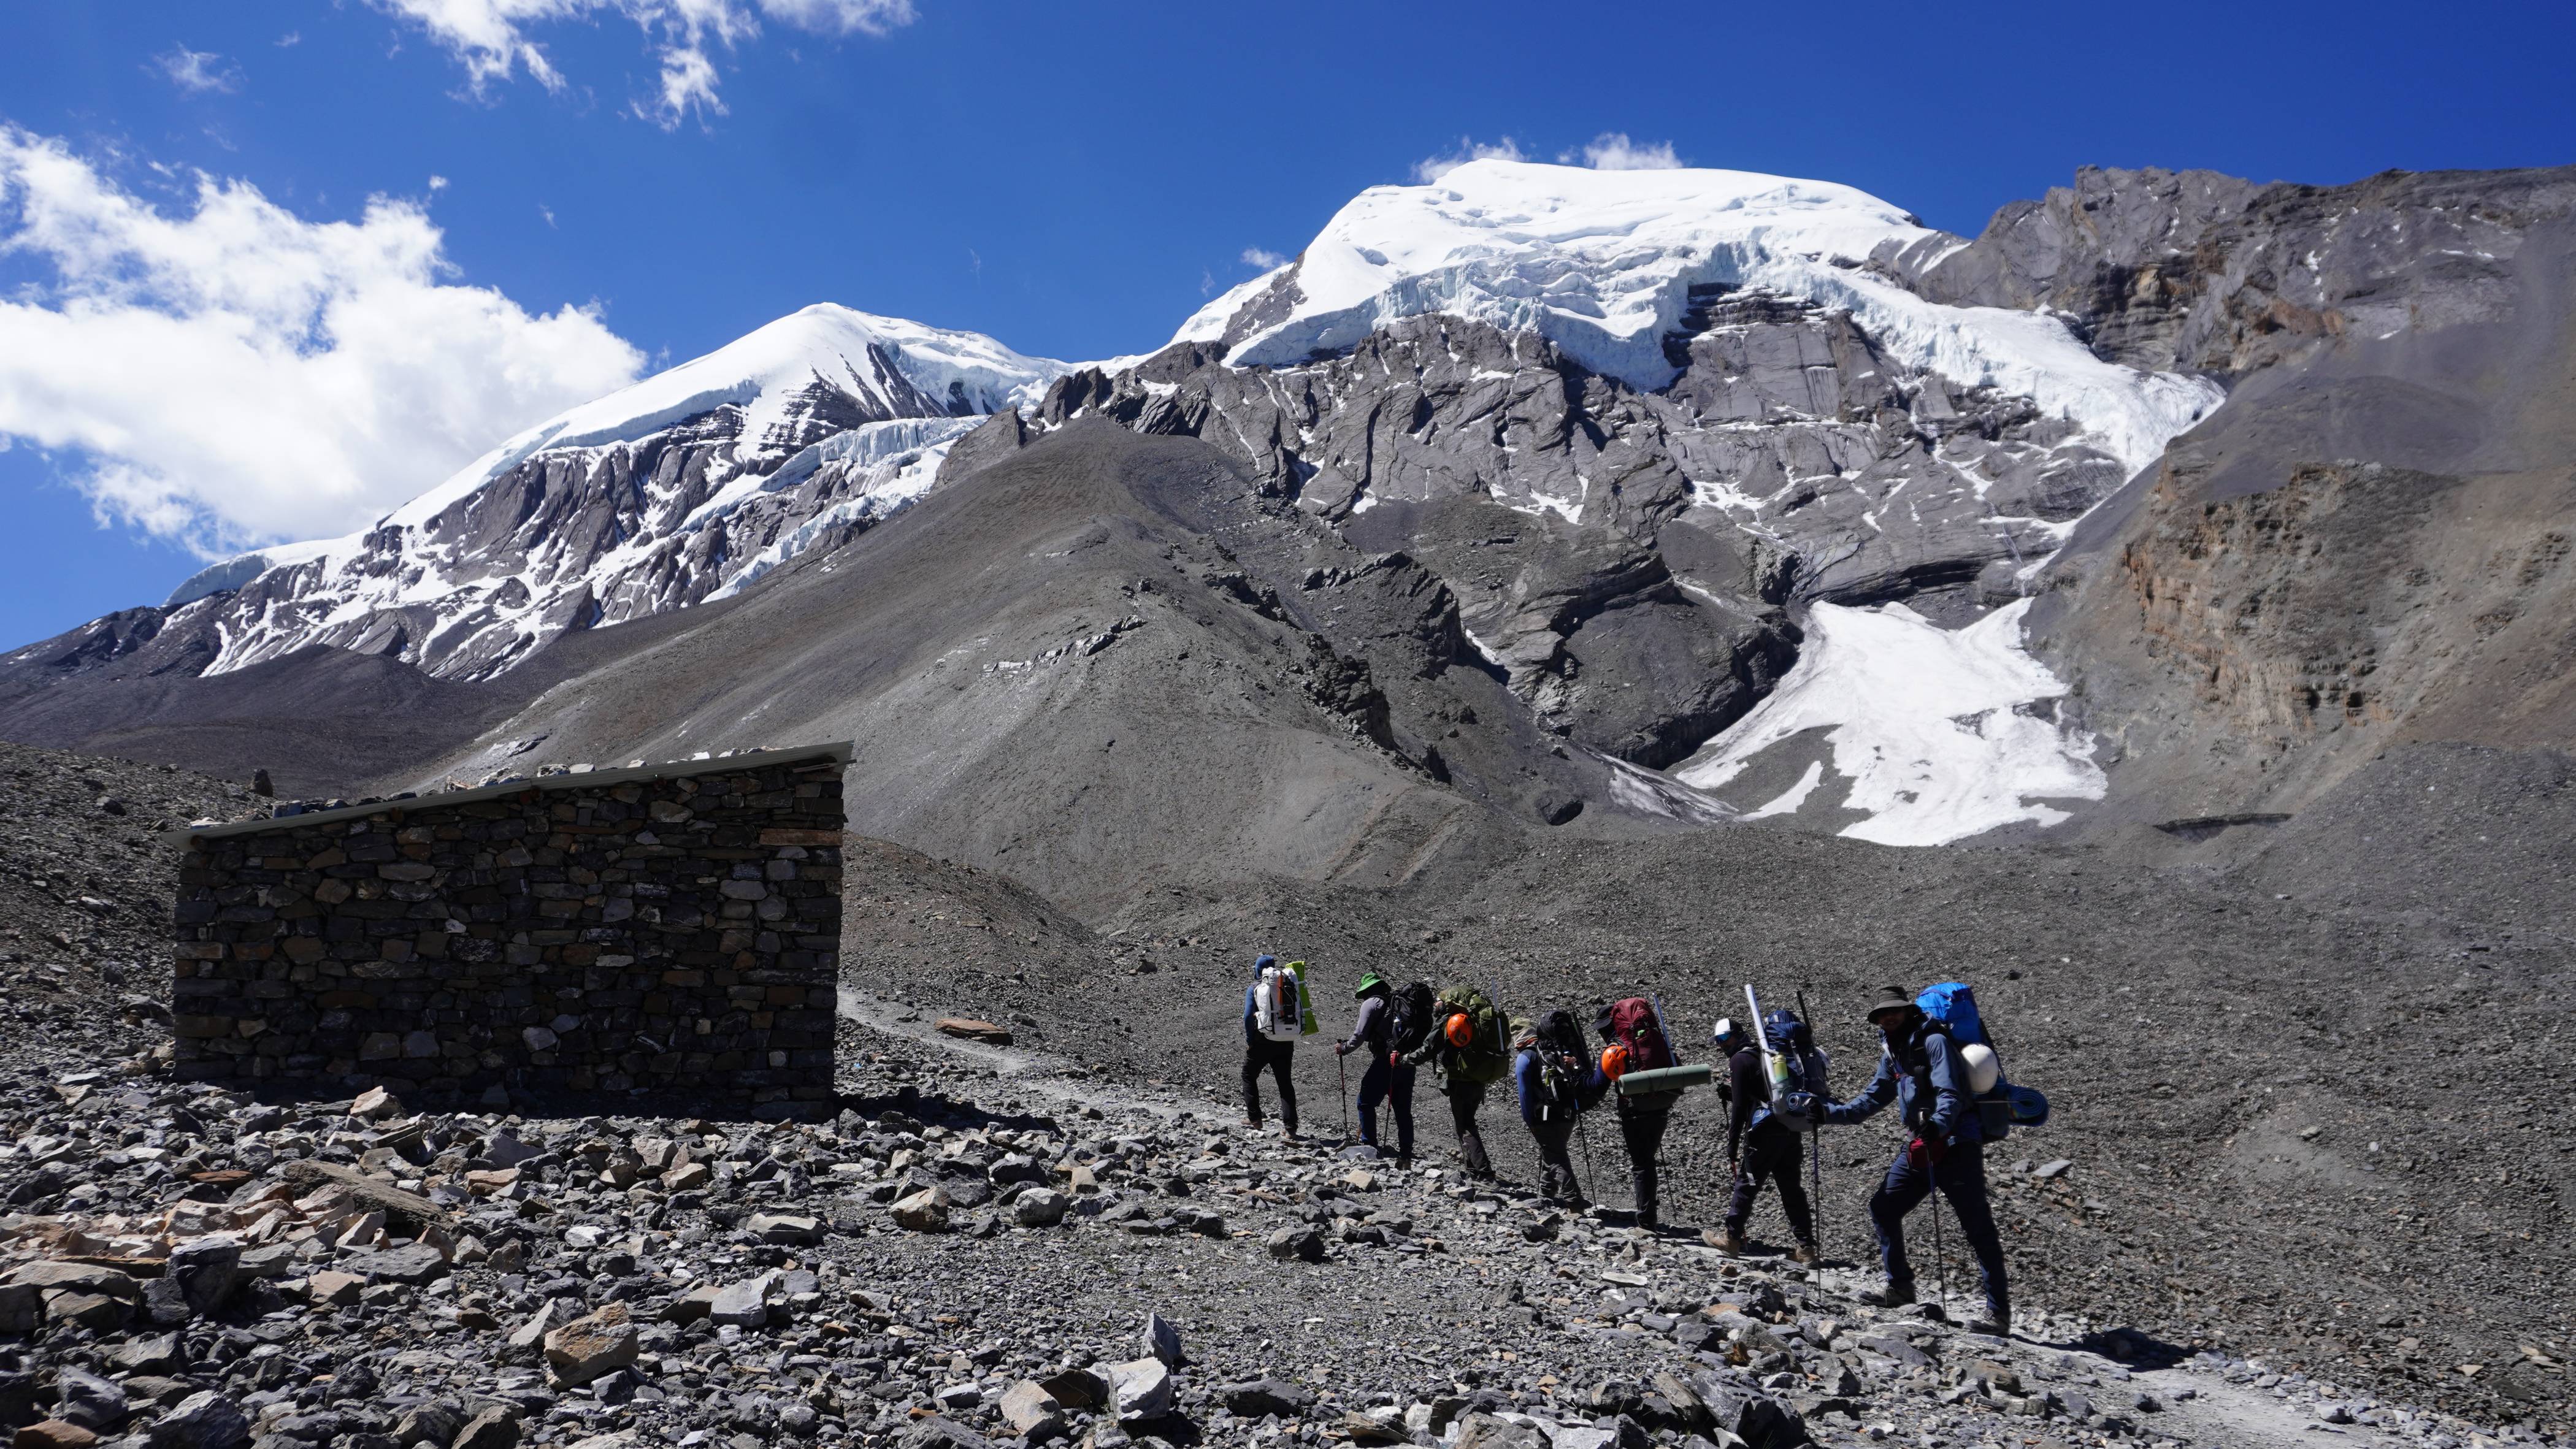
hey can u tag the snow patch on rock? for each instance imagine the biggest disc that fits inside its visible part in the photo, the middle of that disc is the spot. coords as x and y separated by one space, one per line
1931 725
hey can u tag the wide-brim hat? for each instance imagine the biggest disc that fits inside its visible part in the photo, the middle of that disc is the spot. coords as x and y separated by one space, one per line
1368 981
1894 1001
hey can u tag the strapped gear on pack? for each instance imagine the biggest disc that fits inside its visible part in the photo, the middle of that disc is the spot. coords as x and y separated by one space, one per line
1278 1004
1554 1038
1415 1009
1950 1008
1793 1070
1485 1055
1650 1073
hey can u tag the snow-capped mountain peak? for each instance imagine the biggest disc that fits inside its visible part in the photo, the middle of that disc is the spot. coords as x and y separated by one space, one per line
1604 264
678 488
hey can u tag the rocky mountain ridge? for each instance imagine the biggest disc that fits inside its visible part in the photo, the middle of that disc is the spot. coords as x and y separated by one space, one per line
1634 427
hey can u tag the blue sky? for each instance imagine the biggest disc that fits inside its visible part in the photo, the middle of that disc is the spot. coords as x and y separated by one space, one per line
1072 180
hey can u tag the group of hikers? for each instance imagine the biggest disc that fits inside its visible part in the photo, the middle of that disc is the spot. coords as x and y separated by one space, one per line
1935 1066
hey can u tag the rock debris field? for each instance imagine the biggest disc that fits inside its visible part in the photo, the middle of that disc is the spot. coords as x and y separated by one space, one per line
985 1245
1007 1263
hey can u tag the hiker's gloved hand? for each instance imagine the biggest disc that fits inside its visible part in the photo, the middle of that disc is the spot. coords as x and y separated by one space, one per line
1926 1152
1341 1048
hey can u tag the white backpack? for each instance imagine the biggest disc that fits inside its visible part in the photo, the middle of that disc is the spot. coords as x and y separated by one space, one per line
1275 1007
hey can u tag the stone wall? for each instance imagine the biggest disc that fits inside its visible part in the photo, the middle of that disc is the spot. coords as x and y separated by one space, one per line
675 930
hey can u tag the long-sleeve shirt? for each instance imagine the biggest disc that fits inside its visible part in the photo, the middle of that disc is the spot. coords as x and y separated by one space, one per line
1929 1063
1530 1080
1375 1026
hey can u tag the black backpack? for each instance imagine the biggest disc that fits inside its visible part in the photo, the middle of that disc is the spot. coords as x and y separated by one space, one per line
1416 1008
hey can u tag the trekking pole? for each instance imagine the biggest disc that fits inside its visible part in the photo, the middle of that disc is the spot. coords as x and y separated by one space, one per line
1940 1259
1582 1131
1342 1065
1816 1142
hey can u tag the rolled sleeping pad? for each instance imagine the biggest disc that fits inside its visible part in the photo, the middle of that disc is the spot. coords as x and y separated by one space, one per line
1983 1070
1665 1079
2029 1106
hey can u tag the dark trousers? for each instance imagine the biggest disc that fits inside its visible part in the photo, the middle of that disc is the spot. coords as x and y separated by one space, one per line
1556 1179
1276 1057
1465 1099
1773 1153
1386 1082
1962 1179
1643 1132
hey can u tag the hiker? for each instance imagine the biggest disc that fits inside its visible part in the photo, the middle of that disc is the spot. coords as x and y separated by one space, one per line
1556 1084
1759 1140
1275 1014
1635 1037
1467 1046
1921 1071
1387 1078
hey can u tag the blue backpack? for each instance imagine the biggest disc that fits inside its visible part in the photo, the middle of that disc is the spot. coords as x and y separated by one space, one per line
1952 1007
1806 1065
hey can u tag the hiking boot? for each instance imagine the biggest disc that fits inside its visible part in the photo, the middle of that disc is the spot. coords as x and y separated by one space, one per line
1993 1323
1891 1296
1805 1253
1728 1240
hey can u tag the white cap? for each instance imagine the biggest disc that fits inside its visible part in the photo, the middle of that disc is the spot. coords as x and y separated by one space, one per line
1725 1028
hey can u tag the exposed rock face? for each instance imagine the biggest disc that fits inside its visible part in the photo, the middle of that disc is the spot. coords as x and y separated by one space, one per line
2365 547
2205 272
1640 603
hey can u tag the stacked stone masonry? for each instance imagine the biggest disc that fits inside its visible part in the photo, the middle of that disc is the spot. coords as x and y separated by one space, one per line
679 932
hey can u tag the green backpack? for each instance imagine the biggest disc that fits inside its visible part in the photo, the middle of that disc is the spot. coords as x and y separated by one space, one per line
1487 1057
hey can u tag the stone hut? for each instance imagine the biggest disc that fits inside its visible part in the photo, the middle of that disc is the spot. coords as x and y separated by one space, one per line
657 928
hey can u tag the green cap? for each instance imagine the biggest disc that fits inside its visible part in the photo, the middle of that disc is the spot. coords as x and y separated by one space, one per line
1369 980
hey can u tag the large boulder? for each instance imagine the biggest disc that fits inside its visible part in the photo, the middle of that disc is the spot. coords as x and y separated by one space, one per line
590 1347
203 1420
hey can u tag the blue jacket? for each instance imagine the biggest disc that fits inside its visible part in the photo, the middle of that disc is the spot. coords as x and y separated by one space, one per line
1926 1066
1530 1080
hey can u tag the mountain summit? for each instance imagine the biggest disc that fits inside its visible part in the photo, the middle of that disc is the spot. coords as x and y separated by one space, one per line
678 488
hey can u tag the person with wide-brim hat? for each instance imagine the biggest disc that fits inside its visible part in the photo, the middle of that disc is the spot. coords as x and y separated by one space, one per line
1921 1071
1385 1079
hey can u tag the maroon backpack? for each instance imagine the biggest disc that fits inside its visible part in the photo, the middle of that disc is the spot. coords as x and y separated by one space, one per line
1633 1025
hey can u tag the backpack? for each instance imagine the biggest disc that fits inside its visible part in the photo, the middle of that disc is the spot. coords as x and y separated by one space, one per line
1413 1008
1277 1004
1555 1037
1793 1065
1951 1008
1487 1056
1307 1025
1633 1025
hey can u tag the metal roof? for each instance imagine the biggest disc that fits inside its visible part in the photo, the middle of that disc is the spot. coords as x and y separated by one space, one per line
188 835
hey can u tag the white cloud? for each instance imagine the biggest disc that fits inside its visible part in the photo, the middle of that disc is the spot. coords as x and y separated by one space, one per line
226 373
1432 168
1265 260
1613 151
492 38
198 72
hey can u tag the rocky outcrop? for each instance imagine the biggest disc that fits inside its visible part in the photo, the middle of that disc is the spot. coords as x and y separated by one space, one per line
2204 272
